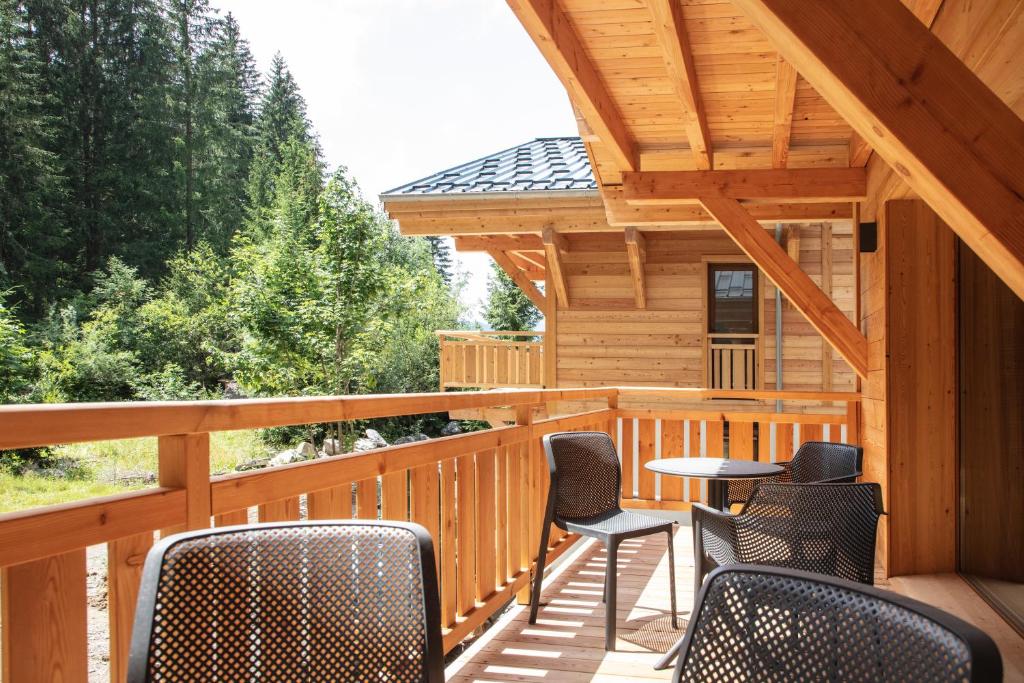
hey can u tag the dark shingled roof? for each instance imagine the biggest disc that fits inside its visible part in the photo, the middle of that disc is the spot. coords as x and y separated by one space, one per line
541 165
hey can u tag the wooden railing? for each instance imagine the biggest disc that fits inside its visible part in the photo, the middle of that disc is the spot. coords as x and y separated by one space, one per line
481 495
733 365
487 359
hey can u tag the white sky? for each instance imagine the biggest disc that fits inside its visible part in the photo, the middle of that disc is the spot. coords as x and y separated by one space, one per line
400 89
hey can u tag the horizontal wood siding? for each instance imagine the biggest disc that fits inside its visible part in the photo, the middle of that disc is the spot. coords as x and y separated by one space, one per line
602 338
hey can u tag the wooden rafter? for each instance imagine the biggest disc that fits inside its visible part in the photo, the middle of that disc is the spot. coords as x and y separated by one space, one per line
777 184
952 140
534 257
553 33
785 98
675 44
554 245
795 284
636 250
521 279
531 269
860 151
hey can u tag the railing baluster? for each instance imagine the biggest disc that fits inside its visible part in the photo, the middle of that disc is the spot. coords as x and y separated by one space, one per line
328 503
45 635
448 543
366 499
671 447
465 484
125 558
485 519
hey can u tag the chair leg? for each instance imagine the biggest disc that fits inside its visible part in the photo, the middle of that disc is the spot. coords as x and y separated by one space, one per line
611 603
538 580
672 577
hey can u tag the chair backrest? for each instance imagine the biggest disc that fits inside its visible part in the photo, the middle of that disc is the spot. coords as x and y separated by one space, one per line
824 528
770 624
820 460
353 600
585 474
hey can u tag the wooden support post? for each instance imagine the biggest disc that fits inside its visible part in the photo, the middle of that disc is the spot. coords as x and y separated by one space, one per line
785 98
670 30
45 635
550 310
184 462
522 451
554 245
636 250
905 92
819 310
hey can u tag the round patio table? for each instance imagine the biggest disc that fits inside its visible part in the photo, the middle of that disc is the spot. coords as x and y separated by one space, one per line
717 471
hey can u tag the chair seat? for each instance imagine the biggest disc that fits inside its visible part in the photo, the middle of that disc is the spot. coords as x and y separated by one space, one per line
617 523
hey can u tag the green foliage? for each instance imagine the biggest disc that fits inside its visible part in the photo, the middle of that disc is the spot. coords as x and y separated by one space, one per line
507 307
17 361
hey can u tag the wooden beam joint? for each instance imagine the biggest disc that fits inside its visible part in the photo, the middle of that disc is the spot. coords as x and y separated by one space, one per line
636 249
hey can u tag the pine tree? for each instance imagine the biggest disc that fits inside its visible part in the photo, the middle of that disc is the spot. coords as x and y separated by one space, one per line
228 92
31 189
282 119
507 307
442 255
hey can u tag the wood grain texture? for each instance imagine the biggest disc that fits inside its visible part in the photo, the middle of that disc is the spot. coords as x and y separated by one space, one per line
921 389
787 275
905 92
44 620
785 99
781 185
125 558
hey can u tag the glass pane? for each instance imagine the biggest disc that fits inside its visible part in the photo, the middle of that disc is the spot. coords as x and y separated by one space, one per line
732 306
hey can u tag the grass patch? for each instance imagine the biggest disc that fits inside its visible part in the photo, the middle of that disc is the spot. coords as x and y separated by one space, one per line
30 490
109 467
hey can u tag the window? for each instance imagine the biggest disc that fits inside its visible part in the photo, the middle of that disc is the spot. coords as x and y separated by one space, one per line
732 299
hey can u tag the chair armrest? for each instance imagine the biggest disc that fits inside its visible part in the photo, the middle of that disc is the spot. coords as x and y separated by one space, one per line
717 533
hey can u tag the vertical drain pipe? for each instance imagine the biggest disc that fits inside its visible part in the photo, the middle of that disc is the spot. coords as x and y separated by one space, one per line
778 328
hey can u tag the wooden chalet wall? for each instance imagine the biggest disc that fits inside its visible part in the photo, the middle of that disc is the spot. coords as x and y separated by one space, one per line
602 338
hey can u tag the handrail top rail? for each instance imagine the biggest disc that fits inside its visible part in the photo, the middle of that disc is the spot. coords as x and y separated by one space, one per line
44 424
489 333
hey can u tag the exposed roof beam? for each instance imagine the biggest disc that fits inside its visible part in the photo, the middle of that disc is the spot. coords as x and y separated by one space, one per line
787 275
623 214
951 139
785 98
671 34
519 277
532 270
554 245
502 243
860 151
536 258
552 31
636 250
777 184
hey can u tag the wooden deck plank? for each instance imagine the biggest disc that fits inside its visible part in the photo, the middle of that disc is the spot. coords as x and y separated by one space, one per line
567 642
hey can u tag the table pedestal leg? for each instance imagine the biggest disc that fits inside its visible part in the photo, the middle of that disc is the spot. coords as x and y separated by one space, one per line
718 497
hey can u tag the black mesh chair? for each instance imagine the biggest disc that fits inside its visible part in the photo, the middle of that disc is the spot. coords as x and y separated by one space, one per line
815 462
584 498
299 601
823 528
756 623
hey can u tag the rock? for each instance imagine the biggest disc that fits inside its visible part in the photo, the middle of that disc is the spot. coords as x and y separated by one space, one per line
133 478
257 464
374 436
362 445
451 429
287 457
412 438
306 450
332 447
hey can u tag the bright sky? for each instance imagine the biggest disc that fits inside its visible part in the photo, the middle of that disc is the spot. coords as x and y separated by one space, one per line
399 89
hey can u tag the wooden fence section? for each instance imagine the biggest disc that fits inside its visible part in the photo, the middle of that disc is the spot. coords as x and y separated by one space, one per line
485 360
481 495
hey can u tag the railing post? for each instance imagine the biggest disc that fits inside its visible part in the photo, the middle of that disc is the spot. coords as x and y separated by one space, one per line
853 422
530 536
184 463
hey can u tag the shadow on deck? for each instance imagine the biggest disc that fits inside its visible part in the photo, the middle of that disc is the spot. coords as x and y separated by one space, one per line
567 642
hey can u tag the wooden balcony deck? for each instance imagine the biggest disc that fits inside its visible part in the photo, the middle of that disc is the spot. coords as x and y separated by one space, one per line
567 642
